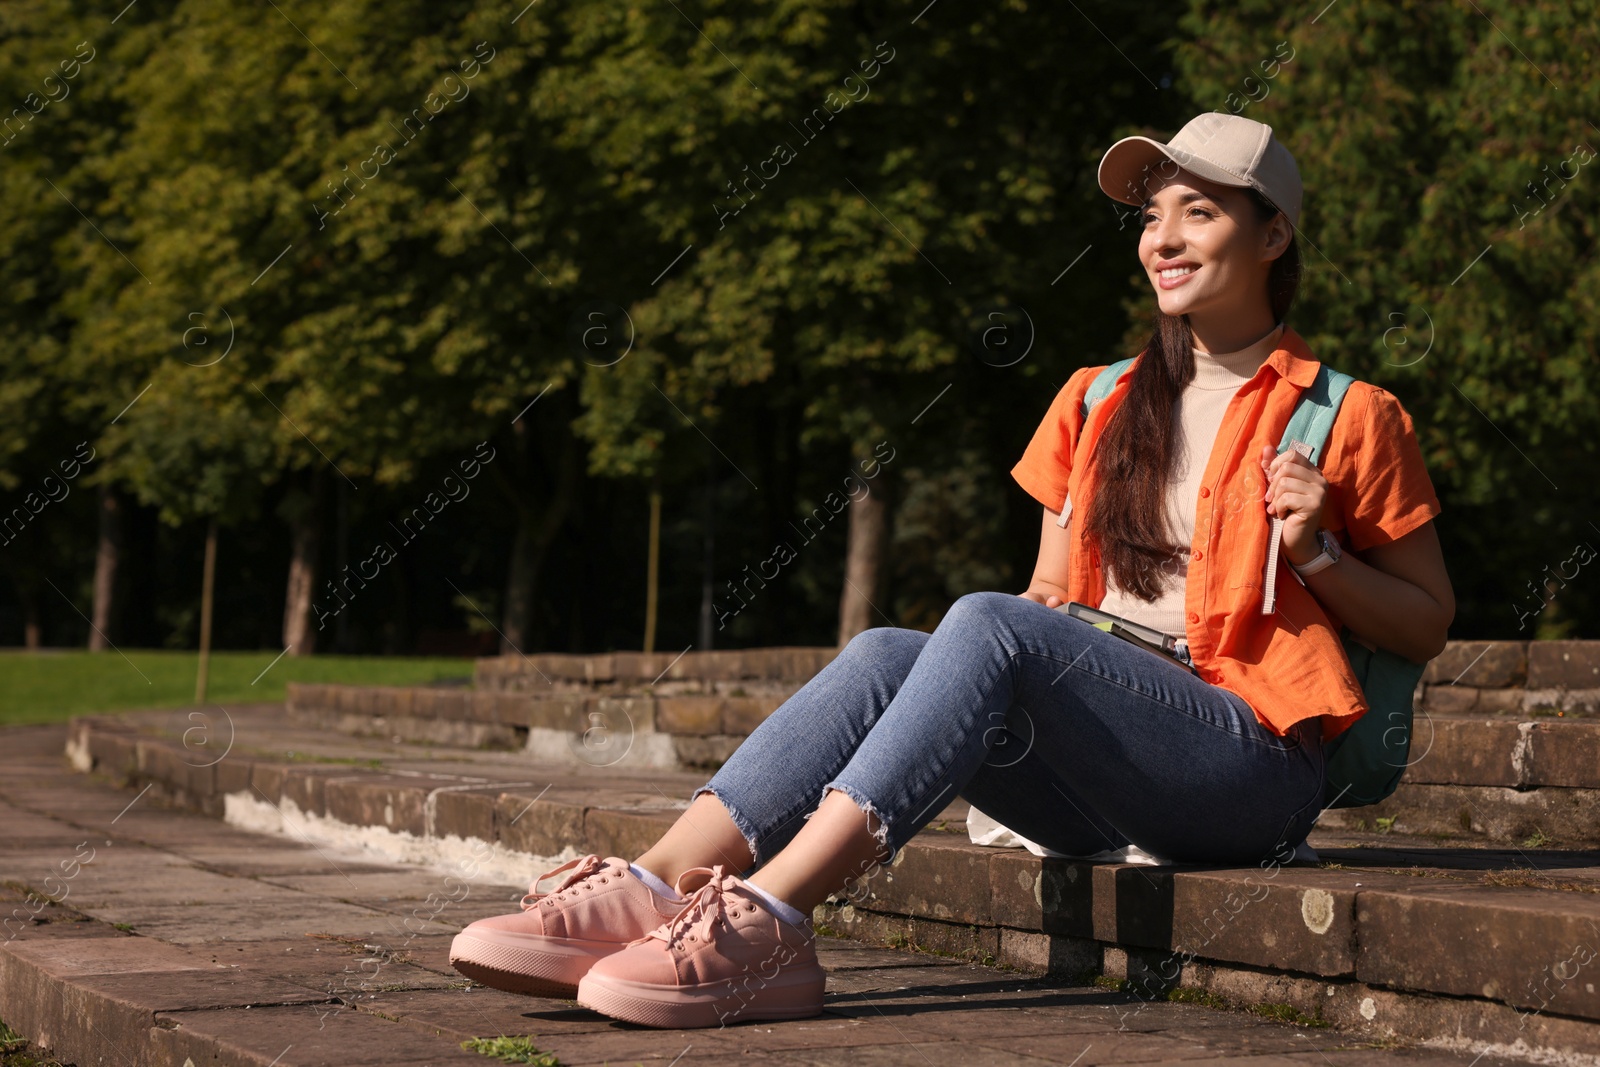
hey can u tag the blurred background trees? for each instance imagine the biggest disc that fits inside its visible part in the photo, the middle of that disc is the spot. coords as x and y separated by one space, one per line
814 269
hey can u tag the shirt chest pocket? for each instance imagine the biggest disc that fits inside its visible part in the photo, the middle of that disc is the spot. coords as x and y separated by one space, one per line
1242 529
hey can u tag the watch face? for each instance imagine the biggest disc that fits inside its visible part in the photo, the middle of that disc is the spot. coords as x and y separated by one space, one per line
1329 543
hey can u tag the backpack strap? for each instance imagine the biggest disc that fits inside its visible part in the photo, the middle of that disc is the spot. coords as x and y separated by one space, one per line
1311 422
1098 390
1103 383
1316 410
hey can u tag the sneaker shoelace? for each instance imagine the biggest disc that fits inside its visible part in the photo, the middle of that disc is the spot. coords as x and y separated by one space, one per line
581 870
705 908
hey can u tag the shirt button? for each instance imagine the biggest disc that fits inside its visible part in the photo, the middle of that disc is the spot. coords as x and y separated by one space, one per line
1193 617
1197 554
1204 492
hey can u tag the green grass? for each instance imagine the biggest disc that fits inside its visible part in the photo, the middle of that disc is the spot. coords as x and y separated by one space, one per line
16 1052
1204 997
50 686
512 1050
1287 1013
1538 840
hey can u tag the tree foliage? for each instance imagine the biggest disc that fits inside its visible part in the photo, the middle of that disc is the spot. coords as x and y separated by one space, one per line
739 248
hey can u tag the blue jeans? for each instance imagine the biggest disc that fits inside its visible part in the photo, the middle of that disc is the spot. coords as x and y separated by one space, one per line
1073 738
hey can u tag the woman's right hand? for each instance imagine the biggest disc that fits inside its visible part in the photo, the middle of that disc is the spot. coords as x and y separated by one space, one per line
1049 600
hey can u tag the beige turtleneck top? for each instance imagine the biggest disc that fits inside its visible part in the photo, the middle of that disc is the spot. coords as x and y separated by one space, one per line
1196 417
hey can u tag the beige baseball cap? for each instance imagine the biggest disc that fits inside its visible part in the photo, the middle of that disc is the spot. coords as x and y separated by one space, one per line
1226 149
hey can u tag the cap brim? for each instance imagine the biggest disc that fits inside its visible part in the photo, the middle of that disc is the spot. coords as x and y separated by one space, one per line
1130 166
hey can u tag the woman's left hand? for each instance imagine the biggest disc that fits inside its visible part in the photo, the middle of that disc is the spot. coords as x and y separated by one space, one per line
1296 492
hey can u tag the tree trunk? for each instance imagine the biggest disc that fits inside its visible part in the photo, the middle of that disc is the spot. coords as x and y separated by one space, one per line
207 585
536 532
32 621
107 561
302 508
866 546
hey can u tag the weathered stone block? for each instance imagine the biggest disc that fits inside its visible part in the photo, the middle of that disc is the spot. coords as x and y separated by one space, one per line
1564 754
542 827
267 780
1564 665
705 750
1463 751
1132 904
1528 948
393 804
559 712
941 878
307 788
512 709
803 663
599 668
1570 817
624 833
450 704
721 665
115 754
1448 699
233 775
1051 895
1500 701
1481 664
1282 918
689 715
622 715
177 768
466 814
956 939
741 715
483 706
1048 954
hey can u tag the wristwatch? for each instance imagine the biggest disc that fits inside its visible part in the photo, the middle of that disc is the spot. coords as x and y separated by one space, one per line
1326 558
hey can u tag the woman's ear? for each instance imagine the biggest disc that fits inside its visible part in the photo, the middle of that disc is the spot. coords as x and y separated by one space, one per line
1277 236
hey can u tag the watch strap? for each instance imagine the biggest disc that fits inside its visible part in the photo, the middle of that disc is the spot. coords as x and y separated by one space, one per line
1321 561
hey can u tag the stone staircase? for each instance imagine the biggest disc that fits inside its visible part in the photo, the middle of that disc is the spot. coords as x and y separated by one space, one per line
1465 909
1506 745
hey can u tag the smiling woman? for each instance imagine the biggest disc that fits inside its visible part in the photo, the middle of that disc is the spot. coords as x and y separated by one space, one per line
1212 756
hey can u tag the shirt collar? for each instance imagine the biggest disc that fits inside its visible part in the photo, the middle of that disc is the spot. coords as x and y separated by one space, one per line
1292 359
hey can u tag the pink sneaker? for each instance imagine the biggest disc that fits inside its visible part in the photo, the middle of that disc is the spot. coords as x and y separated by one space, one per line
544 949
723 958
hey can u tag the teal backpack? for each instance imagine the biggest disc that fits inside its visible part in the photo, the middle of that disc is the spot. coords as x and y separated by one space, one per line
1365 762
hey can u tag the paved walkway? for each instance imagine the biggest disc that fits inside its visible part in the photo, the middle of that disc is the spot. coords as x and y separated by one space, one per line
172 937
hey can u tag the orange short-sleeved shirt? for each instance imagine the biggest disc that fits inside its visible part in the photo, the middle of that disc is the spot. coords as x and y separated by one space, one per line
1289 665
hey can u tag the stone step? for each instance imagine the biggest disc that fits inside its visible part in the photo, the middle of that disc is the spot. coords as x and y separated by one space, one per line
1534 665
142 935
654 729
1389 934
1496 777
543 670
1523 679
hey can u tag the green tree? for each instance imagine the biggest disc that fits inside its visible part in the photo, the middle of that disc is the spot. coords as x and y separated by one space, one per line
1451 214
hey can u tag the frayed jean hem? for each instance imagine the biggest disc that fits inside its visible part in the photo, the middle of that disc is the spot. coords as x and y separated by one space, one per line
862 801
746 828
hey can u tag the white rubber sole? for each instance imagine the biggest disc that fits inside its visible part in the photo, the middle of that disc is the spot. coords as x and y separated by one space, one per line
795 994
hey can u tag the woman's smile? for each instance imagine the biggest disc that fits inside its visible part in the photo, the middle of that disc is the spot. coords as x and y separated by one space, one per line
1172 273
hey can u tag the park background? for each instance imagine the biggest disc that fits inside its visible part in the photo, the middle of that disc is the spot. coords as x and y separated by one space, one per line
583 294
